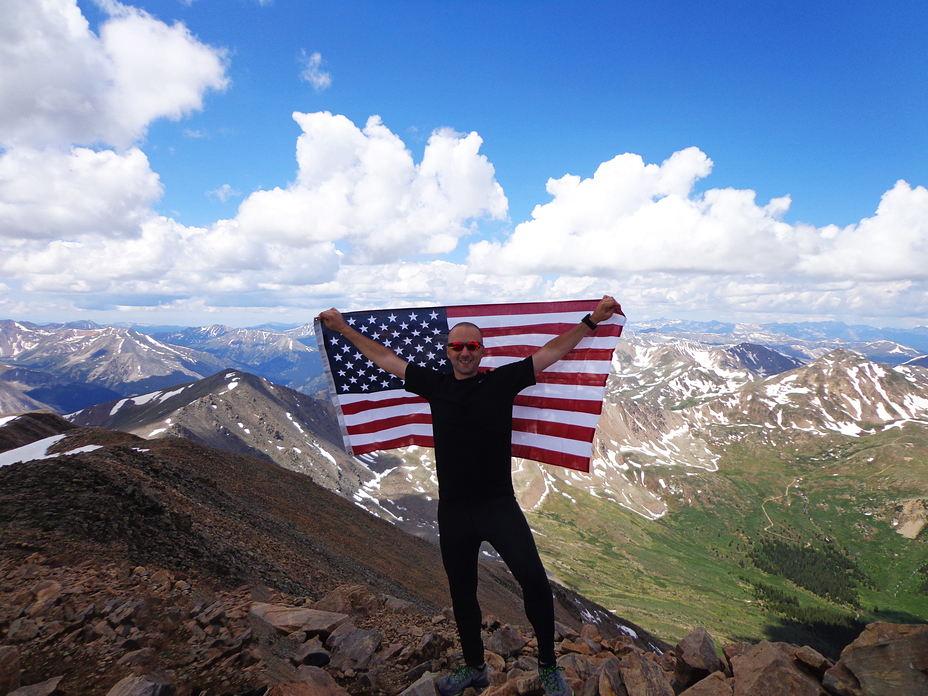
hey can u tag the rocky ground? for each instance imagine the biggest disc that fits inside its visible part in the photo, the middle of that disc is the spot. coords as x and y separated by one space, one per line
79 628
166 567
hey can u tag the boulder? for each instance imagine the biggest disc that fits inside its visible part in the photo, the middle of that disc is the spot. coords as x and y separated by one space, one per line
353 648
355 600
610 679
320 681
768 671
424 686
287 619
841 681
696 658
506 642
716 684
890 659
642 677
46 688
147 685
10 670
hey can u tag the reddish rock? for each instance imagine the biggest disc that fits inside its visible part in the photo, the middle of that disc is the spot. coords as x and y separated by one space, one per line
9 669
610 679
288 619
696 658
642 677
767 671
353 600
716 684
889 659
841 681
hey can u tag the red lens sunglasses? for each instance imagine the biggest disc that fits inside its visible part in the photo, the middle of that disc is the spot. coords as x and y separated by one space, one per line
458 346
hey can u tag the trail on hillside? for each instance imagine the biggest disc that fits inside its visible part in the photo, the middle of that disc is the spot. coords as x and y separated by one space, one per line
763 505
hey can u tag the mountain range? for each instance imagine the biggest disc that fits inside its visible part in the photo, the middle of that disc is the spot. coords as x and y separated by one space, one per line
724 454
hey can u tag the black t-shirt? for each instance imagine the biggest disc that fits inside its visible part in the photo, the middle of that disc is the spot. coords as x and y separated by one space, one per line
472 427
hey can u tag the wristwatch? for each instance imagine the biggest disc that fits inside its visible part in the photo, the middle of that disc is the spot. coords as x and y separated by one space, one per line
589 322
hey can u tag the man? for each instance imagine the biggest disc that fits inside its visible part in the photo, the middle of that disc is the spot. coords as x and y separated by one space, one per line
472 431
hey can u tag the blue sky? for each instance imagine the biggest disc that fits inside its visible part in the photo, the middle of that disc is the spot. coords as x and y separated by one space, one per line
753 162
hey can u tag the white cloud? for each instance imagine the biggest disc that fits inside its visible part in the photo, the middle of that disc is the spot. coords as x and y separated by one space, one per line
224 193
633 217
362 188
50 193
62 84
313 73
363 223
890 246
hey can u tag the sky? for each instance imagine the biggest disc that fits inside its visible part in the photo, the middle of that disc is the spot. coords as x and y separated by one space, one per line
240 162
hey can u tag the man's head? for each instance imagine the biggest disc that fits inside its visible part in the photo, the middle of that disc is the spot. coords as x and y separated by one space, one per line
466 361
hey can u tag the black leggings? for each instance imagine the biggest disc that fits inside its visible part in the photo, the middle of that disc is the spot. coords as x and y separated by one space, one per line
462 527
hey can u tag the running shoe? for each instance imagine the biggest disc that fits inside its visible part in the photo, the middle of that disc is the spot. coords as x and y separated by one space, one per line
463 677
552 679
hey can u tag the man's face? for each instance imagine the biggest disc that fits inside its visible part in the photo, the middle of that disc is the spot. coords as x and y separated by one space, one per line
465 362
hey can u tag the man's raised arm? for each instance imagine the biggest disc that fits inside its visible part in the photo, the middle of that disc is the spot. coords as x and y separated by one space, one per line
559 346
379 354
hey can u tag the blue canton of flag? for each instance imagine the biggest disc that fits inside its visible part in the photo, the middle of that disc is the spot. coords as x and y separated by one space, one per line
416 335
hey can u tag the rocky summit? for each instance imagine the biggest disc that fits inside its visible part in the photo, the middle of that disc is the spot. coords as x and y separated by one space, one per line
132 567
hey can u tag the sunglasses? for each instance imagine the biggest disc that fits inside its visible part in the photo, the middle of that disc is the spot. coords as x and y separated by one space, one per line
458 346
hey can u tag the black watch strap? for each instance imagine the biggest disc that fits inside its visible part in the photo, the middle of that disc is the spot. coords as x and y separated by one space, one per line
589 322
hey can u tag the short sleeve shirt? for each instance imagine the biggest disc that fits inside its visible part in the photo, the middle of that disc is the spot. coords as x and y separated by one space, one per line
472 427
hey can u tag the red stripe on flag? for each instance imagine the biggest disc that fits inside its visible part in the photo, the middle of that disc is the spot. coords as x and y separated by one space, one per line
568 432
503 310
568 461
374 426
546 402
406 441
525 351
351 408
553 329
581 379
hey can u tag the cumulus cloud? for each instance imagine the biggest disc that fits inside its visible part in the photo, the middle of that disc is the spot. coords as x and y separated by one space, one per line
363 223
313 73
631 218
362 188
62 84
50 193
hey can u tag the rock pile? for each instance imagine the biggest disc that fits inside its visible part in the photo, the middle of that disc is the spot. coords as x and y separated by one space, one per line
80 629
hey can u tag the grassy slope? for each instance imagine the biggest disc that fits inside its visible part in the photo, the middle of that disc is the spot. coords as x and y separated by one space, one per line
689 568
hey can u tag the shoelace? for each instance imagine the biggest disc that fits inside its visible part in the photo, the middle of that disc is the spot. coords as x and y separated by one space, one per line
548 675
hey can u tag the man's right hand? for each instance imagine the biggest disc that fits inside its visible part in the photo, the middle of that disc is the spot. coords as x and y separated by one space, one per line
333 320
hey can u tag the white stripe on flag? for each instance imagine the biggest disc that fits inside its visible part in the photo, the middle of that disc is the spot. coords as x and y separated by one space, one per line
384 412
586 420
422 429
552 444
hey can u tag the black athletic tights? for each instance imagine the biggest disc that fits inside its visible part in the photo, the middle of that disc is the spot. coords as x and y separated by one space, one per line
462 527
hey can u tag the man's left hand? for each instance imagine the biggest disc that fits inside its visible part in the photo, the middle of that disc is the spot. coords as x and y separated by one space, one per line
605 309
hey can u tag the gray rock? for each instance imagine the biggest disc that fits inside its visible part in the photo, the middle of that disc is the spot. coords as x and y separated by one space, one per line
46 688
506 642
424 686
147 685
353 648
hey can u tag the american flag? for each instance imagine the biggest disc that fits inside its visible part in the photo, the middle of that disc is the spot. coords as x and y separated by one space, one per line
553 421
